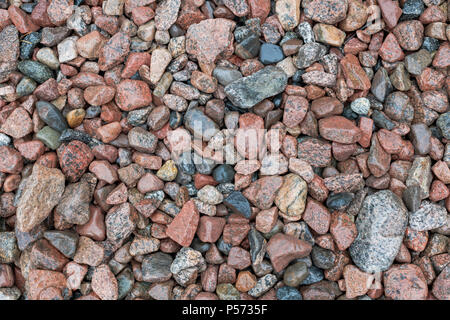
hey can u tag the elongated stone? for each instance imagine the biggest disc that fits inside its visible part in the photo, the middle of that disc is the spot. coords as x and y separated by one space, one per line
42 193
381 224
247 92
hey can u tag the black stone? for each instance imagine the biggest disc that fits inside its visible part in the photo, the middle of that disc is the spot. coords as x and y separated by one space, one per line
256 242
249 47
223 246
28 7
70 135
412 9
92 112
238 204
430 44
51 116
156 267
28 43
185 163
339 201
175 119
200 246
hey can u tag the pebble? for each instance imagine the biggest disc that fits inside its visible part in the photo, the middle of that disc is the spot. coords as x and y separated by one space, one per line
427 217
248 91
42 193
8 247
416 62
238 203
282 249
372 250
35 70
156 267
168 171
308 54
270 53
263 285
361 106
409 34
339 129
183 227
104 283
223 173
329 11
288 293
291 197
50 137
209 39
405 282
329 34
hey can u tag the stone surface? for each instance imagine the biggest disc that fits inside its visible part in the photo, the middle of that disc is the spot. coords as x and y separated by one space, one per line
42 193
248 91
381 224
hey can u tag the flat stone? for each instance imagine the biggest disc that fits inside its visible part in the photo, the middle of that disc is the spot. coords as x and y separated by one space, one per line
429 216
42 193
248 91
183 227
282 249
238 204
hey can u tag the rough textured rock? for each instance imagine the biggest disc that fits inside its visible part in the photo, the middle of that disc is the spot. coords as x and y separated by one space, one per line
42 193
381 224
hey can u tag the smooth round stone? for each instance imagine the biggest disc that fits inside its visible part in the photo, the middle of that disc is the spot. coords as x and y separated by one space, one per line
50 137
28 44
25 87
295 274
315 275
361 106
339 201
223 173
270 53
323 258
35 70
288 293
